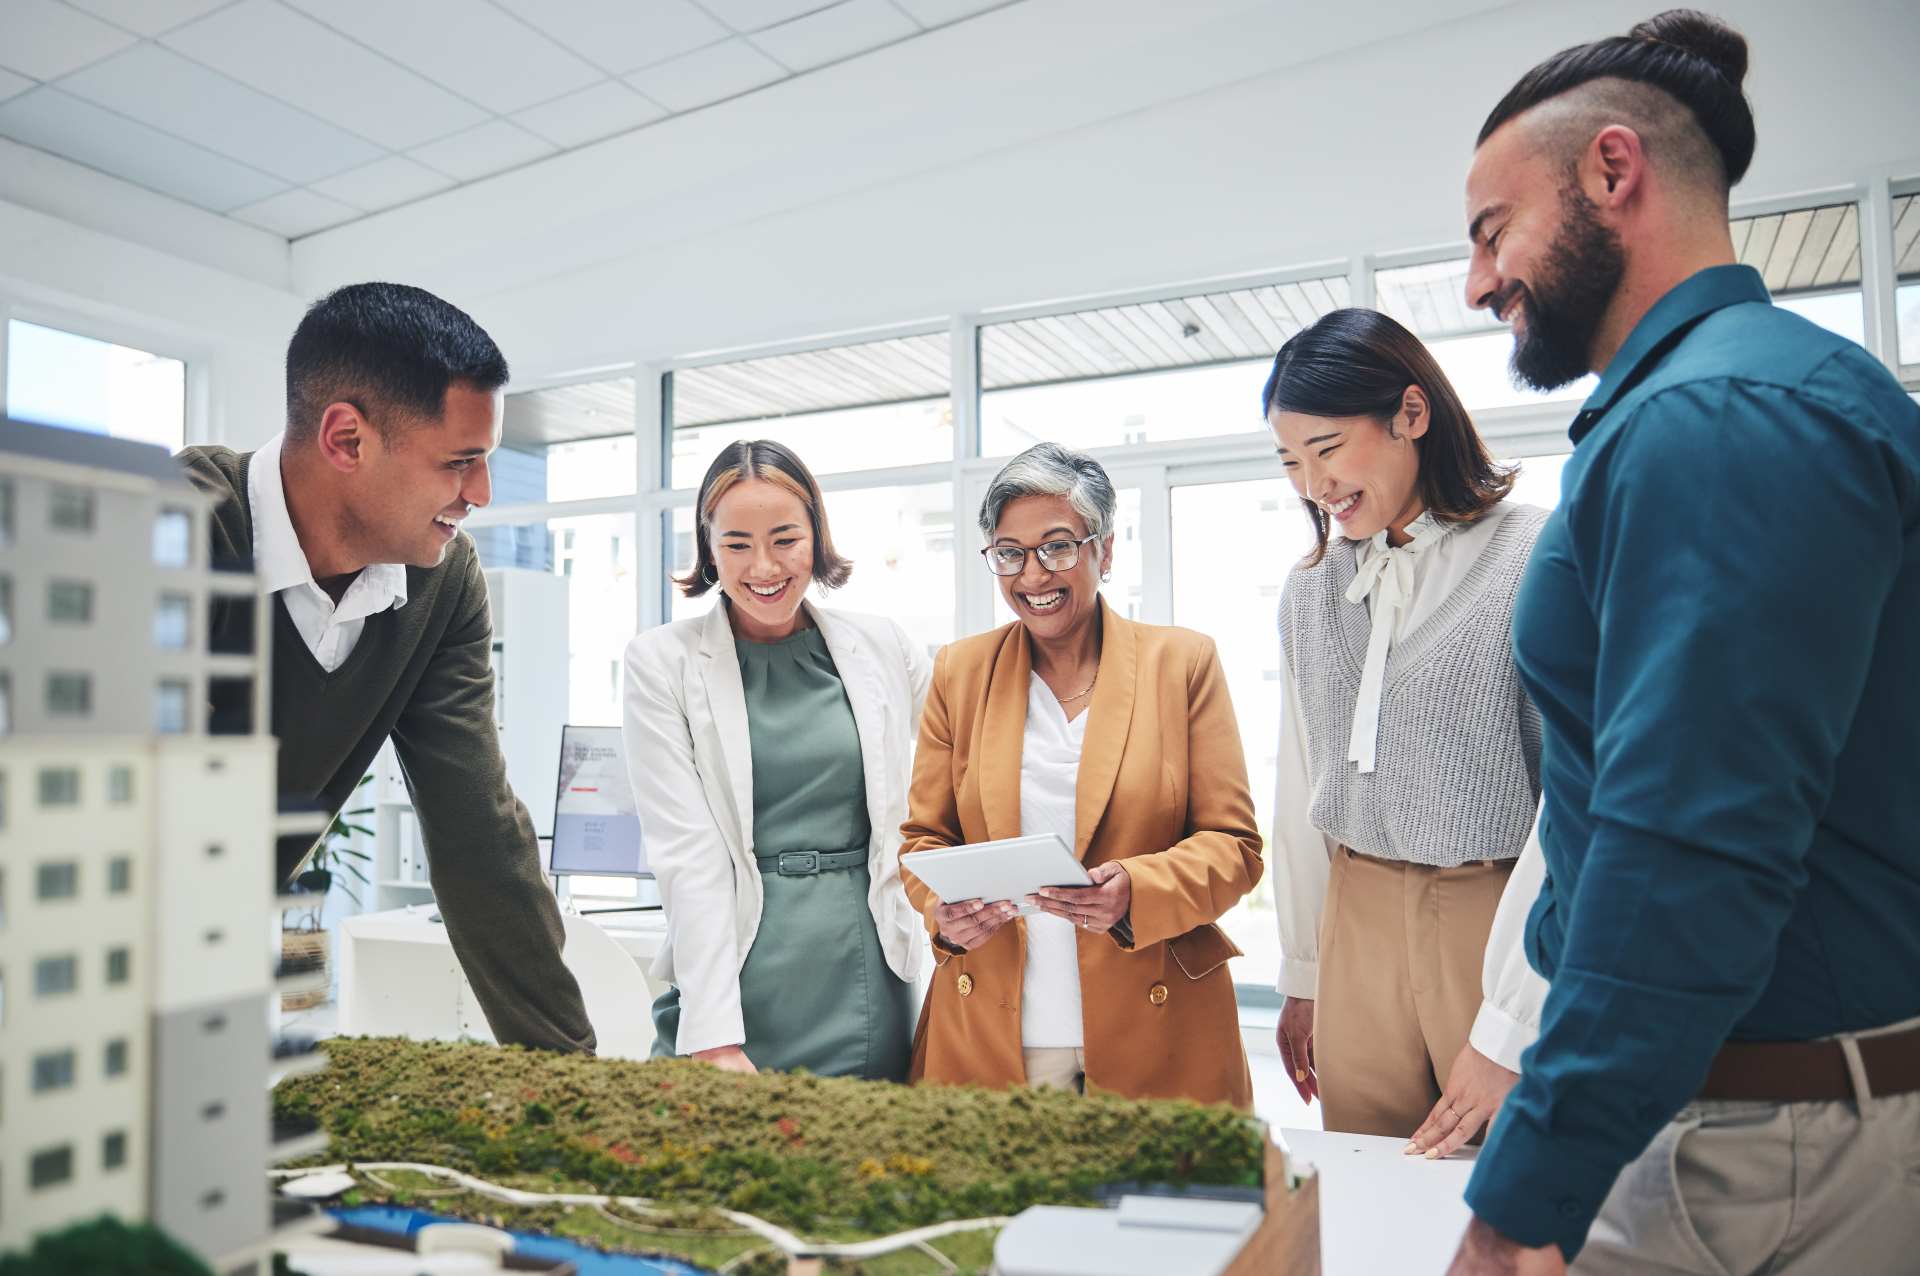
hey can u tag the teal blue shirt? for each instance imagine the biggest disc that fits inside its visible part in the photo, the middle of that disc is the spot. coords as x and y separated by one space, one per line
1721 628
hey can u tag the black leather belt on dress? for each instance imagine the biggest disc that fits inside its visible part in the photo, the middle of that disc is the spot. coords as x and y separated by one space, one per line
807 863
1813 1071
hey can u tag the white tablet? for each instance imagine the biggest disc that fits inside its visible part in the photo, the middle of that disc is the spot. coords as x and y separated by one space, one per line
1010 869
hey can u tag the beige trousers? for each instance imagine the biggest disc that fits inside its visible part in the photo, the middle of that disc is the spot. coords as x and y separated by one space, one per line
1400 955
1789 1189
1057 1068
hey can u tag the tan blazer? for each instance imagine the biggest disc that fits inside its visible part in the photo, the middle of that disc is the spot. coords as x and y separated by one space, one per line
1162 787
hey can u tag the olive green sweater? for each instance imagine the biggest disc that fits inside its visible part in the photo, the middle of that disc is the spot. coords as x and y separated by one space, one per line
421 674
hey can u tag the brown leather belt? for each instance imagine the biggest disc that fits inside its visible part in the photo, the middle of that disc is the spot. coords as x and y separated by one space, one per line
1813 1071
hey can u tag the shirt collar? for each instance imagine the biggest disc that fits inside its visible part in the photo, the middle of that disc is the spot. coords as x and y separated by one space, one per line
277 557
1425 531
1699 295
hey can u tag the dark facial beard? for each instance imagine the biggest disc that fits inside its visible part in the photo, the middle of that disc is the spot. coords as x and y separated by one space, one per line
1570 296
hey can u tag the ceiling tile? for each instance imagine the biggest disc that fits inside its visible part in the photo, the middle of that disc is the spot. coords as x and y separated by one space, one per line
715 72
589 115
159 87
295 213
757 15
46 40
492 148
12 85
937 13
383 184
148 17
619 35
836 33
127 149
477 50
290 56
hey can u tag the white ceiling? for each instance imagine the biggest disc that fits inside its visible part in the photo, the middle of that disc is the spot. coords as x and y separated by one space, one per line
298 115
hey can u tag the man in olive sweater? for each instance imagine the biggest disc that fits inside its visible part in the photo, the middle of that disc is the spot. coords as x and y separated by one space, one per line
380 619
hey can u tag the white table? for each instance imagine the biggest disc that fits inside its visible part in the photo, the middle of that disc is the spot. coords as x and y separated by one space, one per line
1381 1211
399 977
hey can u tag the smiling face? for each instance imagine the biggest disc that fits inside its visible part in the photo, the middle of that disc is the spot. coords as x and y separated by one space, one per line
1365 477
1542 259
1053 605
762 543
413 489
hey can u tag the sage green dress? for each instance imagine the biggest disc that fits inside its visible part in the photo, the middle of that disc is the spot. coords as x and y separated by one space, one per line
816 991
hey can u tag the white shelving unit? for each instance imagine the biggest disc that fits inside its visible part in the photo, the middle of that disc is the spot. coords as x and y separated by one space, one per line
530 656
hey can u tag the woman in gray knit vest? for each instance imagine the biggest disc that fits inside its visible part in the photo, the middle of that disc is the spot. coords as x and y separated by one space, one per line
1409 759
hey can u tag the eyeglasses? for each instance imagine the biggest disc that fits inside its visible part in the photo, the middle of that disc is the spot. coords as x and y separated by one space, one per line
1055 556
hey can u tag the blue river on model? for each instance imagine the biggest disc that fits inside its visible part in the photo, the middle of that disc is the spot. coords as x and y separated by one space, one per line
589 1261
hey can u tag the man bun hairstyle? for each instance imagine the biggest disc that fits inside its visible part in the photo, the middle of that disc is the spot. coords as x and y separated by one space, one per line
1692 57
391 350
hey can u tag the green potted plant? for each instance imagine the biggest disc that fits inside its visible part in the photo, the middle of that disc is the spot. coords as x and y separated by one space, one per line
303 947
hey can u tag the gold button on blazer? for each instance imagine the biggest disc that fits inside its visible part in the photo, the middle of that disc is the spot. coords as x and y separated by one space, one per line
1163 790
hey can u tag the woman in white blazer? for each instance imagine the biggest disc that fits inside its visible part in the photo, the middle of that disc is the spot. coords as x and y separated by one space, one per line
769 743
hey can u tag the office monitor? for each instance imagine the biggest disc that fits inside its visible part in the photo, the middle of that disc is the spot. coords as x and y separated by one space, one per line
596 825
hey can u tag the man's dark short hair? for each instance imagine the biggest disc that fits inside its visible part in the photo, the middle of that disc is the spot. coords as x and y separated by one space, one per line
1693 58
390 350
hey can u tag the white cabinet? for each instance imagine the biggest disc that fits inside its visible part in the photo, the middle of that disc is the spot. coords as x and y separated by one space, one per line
529 706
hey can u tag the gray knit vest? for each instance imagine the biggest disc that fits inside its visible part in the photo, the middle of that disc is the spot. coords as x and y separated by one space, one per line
1457 775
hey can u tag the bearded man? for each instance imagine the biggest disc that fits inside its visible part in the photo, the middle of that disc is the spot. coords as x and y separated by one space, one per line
1721 628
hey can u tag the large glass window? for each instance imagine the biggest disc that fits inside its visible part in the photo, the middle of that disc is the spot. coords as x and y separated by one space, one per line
901 541
596 555
1906 296
1472 347
567 443
1810 260
1149 372
873 405
1233 545
62 378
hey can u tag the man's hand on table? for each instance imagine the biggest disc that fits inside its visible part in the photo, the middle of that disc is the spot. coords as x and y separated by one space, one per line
1485 1252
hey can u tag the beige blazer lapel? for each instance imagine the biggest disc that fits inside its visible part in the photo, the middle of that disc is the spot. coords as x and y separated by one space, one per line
1110 718
727 707
1003 732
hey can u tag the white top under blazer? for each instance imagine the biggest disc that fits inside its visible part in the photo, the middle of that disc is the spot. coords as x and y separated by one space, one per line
691 761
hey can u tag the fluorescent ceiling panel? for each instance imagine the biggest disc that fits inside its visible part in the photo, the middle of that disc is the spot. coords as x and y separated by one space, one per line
620 35
383 184
294 213
471 47
159 87
292 57
148 17
124 148
492 148
46 40
714 73
602 110
834 34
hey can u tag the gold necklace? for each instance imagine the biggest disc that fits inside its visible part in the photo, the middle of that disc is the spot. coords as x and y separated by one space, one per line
1076 695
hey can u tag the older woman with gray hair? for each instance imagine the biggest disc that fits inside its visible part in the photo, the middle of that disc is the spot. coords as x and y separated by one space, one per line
1120 738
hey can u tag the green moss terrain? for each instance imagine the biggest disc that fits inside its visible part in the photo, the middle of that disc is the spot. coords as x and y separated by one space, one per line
828 1158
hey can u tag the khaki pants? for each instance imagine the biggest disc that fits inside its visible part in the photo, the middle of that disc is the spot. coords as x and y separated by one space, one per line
1400 955
1057 1068
1790 1189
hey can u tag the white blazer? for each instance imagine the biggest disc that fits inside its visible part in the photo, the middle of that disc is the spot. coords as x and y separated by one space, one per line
691 761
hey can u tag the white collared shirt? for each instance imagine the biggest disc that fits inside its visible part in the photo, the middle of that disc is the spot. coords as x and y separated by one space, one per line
1049 780
329 630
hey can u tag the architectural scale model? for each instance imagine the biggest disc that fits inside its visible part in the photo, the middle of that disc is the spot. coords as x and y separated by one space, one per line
137 826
